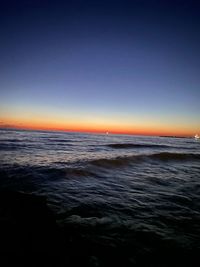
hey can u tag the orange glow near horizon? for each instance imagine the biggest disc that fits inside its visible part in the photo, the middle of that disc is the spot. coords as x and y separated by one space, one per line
97 127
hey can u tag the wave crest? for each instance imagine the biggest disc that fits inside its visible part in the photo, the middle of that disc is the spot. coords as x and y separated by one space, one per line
162 156
131 145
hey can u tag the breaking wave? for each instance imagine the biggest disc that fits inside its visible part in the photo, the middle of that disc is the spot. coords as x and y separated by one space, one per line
162 156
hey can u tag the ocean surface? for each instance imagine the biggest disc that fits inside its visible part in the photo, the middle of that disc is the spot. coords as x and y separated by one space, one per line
136 194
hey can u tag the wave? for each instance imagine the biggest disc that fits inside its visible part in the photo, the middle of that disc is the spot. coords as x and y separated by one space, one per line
58 140
8 141
19 146
6 147
131 145
162 156
175 156
67 172
87 167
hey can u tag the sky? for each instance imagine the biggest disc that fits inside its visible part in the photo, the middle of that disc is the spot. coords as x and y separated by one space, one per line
96 66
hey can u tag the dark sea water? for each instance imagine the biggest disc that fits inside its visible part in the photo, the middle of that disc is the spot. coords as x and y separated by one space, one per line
134 198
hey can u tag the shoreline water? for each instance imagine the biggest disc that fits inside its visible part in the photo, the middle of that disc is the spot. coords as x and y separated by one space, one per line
30 233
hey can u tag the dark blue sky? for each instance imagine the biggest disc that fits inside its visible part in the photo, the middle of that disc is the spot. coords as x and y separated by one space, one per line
124 63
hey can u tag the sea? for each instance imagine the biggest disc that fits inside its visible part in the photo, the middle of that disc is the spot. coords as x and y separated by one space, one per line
128 199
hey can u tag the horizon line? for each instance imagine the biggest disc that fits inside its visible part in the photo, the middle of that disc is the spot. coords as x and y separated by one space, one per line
91 131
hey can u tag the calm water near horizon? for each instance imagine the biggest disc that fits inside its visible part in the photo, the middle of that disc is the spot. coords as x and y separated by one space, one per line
138 192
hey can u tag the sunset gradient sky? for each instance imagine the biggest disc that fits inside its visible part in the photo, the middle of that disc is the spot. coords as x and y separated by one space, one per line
117 66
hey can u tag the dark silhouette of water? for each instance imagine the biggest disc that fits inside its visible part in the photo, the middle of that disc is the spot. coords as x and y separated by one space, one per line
127 200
